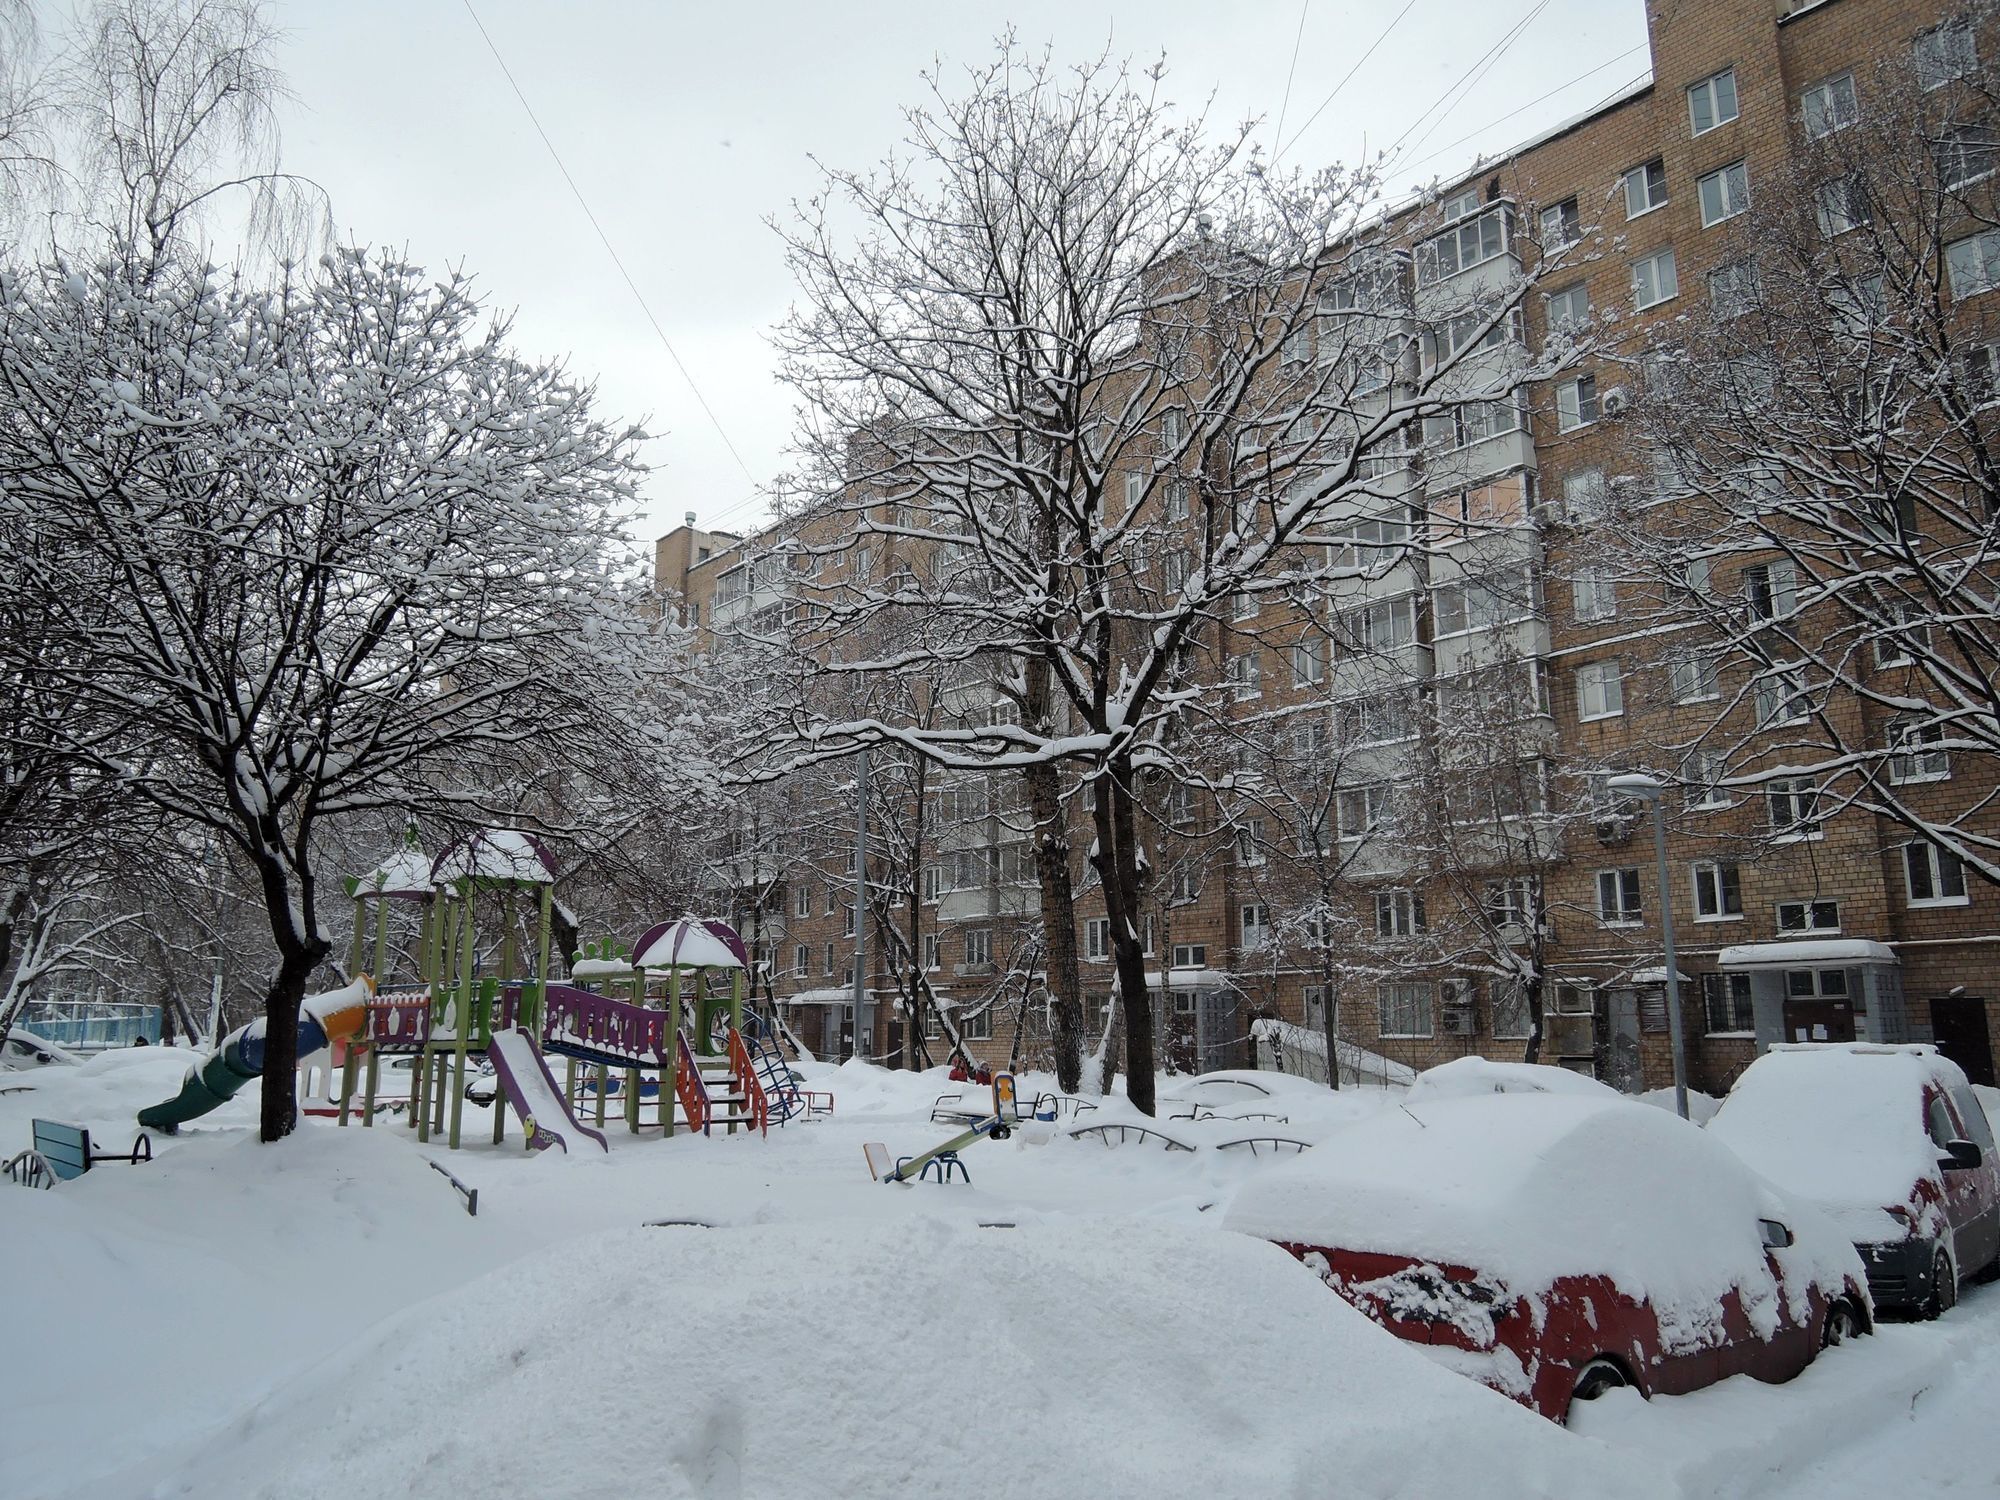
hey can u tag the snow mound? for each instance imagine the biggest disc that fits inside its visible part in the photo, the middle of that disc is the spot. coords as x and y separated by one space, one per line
918 1360
1701 1107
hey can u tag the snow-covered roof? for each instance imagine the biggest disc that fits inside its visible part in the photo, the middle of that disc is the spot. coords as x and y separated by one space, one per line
831 996
600 968
1657 974
1786 955
690 943
1192 979
502 854
406 873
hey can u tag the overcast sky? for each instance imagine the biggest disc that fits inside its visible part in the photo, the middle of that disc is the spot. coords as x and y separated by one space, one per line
687 126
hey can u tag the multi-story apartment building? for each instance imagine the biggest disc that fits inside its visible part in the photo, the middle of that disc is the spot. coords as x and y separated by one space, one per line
1443 862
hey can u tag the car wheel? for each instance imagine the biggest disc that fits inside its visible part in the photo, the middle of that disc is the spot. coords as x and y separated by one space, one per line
1842 1323
1594 1379
1944 1287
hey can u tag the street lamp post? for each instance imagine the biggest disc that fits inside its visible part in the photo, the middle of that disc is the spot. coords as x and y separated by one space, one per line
1650 789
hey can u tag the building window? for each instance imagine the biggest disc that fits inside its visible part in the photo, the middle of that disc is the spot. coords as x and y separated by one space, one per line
1712 102
1701 780
1830 106
1399 914
1645 188
1359 811
1692 676
1595 594
847 921
1173 431
1618 902
1186 886
1781 697
1569 309
1974 263
1816 984
1174 502
1725 193
1470 243
1190 955
1255 925
1771 590
1843 204
978 1026
1097 939
933 952
1897 645
1586 496
979 945
802 901
1383 625
829 955
1576 403
933 883
1146 935
1917 755
1561 225
1511 904
1246 674
1934 875
1945 52
1481 604
1965 155
1513 1018
1309 661
1655 280
1403 1010
1734 290
1174 569
1250 842
1726 999
1808 916
802 957
1718 891
1600 690
1792 804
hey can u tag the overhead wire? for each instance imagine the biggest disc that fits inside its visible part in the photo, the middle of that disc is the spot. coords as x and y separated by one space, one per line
1538 99
1394 21
1286 103
609 249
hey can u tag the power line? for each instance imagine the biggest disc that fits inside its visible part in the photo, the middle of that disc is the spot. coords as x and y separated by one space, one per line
1445 104
1286 103
1407 5
605 239
1524 108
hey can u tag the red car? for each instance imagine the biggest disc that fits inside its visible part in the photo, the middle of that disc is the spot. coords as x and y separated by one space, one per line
1555 1246
1890 1143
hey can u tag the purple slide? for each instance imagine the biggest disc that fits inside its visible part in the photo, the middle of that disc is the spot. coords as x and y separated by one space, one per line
529 1086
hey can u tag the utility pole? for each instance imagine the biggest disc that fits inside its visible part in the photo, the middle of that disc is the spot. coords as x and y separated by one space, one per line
860 897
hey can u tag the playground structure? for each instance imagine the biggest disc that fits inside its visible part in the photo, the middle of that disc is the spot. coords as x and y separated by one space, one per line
482 1004
334 1016
994 1125
672 1008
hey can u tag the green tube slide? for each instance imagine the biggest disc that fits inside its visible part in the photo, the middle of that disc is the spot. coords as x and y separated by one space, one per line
217 1078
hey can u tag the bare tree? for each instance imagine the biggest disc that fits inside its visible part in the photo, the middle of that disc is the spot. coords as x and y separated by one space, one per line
1078 338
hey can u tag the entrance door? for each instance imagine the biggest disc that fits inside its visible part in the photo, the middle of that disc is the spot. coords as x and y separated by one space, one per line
1621 1066
1958 1023
1818 1020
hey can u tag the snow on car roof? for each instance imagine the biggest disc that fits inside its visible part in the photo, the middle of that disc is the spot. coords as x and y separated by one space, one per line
1470 1077
1840 1124
1532 1187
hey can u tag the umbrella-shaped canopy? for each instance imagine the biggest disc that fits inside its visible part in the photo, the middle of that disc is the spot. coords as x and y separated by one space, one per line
690 943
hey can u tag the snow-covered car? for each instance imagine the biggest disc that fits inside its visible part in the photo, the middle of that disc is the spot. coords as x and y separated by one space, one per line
1555 1246
1892 1144
1469 1077
23 1049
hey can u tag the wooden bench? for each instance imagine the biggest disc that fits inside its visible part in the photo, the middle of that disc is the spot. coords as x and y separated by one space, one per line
68 1152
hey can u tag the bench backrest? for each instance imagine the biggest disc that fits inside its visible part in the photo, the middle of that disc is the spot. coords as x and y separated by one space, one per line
66 1148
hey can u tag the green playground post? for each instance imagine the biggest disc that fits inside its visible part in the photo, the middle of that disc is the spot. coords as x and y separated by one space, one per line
671 1062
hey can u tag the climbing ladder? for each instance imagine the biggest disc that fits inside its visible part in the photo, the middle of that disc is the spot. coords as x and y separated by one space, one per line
720 1091
771 1071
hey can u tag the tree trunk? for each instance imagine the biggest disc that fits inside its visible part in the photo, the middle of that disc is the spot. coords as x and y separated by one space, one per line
1532 993
1062 976
1118 867
1329 1016
301 949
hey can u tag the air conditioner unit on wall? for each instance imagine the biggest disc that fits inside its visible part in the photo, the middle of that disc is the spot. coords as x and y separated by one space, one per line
1615 829
1461 1020
1617 401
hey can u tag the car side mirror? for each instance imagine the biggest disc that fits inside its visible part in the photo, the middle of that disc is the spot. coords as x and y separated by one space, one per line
1776 1236
1961 1156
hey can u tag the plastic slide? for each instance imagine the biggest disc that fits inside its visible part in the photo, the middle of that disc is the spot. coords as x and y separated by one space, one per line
531 1089
334 1016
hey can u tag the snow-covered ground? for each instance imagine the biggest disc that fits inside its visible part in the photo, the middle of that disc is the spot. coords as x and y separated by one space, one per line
323 1318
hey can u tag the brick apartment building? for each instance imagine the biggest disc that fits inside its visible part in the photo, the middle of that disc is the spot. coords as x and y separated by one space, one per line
1788 924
